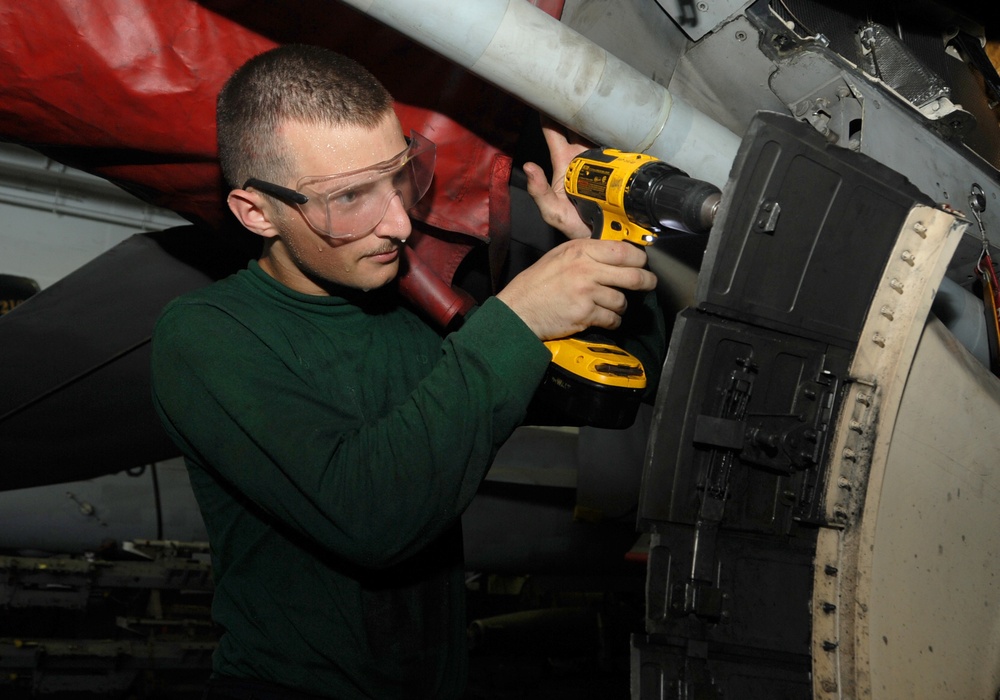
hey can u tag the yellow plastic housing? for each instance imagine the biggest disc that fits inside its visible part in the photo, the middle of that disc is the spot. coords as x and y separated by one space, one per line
597 362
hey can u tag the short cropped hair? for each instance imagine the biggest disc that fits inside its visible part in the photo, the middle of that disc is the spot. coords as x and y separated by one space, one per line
293 82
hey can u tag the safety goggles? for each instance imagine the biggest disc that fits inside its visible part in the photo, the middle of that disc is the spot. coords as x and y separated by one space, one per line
350 205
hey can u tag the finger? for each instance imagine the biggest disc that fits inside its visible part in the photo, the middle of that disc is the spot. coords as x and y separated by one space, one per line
557 135
602 308
610 299
623 277
604 318
633 278
615 252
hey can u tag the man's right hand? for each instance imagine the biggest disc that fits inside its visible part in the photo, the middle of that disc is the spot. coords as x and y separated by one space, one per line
577 285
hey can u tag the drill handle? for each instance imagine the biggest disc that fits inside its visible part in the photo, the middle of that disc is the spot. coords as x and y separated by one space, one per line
609 225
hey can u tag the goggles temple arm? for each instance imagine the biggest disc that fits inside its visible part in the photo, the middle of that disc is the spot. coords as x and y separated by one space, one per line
283 193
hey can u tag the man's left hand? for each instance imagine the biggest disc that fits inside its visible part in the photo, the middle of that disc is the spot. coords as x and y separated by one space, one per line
556 208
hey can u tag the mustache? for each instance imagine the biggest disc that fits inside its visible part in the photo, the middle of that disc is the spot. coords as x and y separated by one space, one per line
387 247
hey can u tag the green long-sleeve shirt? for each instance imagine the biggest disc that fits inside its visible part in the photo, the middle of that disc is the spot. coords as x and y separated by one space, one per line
332 445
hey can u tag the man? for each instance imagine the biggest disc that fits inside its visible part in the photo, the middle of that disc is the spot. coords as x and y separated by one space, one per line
332 438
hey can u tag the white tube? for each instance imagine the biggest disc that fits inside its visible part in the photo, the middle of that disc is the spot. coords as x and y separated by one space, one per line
961 312
521 49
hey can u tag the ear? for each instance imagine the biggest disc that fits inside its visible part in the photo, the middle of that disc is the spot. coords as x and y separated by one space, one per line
252 211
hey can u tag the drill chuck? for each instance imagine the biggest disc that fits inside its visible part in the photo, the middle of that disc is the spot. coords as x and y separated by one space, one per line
661 198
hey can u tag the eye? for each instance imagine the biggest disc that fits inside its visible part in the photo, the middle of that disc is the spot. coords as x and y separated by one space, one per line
401 178
347 197
362 195
352 196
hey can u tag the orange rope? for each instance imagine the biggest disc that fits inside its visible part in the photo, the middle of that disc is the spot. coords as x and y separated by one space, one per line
991 307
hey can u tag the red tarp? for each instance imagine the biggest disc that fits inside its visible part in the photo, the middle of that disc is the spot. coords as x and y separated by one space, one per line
126 89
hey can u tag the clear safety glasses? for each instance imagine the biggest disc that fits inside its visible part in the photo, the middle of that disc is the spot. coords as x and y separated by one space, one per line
350 205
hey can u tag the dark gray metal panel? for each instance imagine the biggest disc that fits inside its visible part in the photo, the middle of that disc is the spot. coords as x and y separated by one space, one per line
804 233
790 387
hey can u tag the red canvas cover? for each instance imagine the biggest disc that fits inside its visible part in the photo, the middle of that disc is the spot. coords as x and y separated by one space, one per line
126 89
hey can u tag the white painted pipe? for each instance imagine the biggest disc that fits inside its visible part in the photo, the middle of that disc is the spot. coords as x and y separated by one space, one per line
526 52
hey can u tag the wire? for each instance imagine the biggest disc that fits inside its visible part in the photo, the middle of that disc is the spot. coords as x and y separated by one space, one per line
986 272
158 501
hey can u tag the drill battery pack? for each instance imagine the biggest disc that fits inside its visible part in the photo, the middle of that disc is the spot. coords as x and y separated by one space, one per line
593 383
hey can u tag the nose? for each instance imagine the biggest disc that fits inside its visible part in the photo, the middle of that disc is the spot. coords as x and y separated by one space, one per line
395 222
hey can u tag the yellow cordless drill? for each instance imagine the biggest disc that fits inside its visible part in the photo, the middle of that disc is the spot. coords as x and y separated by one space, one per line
631 197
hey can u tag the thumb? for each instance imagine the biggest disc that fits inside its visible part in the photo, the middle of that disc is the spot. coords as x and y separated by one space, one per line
537 184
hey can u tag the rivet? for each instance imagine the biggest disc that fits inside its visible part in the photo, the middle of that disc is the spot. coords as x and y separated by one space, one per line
879 340
907 257
920 229
896 285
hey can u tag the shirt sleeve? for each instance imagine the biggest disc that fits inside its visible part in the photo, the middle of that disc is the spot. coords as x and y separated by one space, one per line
372 493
